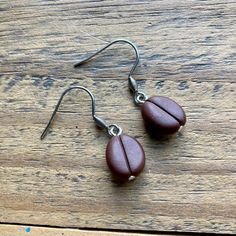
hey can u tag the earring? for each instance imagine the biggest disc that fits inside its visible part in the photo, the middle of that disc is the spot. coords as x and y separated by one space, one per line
162 115
124 154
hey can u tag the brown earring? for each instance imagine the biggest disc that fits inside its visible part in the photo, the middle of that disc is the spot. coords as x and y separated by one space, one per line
124 154
162 115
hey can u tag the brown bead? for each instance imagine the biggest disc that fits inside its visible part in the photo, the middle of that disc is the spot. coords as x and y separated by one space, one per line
125 157
162 115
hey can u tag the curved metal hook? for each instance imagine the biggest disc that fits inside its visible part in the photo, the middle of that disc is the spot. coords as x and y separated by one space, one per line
100 122
132 82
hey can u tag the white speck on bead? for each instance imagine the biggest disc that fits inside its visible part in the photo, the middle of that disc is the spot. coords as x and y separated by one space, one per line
131 177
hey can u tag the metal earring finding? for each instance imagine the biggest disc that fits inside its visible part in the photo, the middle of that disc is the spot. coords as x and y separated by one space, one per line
132 82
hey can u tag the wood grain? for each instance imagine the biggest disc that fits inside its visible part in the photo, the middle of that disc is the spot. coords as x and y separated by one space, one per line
187 53
9 230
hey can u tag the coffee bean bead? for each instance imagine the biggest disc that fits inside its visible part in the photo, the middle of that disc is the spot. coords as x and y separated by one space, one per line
162 115
125 157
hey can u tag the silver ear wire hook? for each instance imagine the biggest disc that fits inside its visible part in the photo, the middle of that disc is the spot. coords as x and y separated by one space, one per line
112 130
108 45
132 82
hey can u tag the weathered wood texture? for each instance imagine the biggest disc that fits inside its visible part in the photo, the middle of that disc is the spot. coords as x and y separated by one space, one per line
10 230
187 52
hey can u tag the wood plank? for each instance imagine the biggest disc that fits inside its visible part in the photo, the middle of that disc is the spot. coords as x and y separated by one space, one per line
21 230
187 53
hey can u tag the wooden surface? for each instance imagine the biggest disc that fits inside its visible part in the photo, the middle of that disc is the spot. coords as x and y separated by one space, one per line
187 52
24 230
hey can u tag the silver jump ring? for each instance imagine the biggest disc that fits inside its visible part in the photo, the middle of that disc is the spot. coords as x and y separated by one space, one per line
140 97
114 130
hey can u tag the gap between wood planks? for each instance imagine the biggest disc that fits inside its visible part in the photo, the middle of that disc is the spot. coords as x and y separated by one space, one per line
9 229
